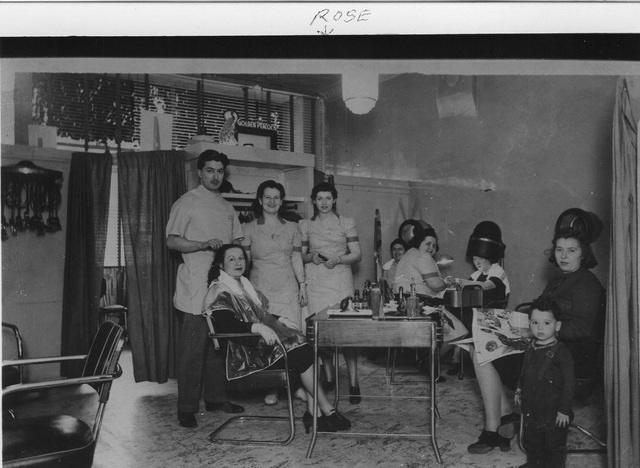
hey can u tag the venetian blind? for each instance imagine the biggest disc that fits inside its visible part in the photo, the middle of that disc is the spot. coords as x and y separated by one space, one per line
84 105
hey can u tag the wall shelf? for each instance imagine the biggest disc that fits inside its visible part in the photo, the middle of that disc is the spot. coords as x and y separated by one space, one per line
249 166
251 155
251 196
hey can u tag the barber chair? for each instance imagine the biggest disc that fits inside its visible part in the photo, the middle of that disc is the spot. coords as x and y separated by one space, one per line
268 378
12 348
60 439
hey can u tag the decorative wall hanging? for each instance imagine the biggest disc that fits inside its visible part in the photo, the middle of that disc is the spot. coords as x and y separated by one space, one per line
28 192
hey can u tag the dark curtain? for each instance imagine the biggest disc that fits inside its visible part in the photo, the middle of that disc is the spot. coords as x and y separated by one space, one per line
87 215
622 351
149 183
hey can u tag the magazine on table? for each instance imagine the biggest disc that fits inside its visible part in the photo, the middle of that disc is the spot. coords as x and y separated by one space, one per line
497 333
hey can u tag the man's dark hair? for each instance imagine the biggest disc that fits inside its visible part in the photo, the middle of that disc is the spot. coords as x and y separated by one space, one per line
212 155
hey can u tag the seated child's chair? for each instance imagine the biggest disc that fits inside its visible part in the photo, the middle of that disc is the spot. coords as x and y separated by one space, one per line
270 378
60 439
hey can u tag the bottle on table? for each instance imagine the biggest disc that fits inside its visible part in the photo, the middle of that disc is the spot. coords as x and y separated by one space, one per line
366 294
413 306
402 304
375 300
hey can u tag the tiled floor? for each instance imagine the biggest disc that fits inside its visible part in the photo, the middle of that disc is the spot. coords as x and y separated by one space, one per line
140 430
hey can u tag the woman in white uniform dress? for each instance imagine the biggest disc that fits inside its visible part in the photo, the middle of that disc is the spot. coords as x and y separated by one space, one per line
276 264
330 246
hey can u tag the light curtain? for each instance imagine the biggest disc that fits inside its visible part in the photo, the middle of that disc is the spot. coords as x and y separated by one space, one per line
149 183
622 368
86 238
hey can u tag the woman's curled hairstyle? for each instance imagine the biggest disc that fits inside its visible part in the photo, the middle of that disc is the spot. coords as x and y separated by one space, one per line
324 187
257 207
588 258
421 235
218 261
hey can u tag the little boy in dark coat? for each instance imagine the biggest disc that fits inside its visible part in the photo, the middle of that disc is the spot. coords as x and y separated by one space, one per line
545 391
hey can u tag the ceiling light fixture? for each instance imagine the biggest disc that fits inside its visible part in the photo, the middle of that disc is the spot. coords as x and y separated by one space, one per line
360 90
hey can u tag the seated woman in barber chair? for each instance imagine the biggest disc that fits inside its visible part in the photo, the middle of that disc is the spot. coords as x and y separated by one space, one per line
236 307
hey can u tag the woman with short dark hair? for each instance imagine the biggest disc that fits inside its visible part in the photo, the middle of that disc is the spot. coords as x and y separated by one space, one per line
417 266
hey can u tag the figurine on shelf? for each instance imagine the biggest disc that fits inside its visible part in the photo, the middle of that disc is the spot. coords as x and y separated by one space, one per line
229 131
346 304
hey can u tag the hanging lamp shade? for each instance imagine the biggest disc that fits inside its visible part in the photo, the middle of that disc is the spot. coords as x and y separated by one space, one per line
360 90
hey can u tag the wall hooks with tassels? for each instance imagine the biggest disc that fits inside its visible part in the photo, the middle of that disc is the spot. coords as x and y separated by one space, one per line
28 192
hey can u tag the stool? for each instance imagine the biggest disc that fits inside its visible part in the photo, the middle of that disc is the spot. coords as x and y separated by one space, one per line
115 313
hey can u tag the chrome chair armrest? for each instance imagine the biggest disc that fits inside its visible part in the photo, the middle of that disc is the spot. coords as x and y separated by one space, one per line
43 360
235 335
18 337
250 335
18 388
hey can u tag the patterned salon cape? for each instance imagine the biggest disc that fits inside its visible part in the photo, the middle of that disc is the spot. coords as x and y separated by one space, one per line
247 356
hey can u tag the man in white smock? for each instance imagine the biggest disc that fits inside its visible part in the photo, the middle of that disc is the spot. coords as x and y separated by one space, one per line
200 222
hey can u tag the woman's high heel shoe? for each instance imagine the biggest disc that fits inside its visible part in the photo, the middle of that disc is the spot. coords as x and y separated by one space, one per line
338 421
324 424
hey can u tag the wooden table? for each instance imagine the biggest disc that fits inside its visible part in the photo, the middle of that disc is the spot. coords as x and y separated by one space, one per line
335 332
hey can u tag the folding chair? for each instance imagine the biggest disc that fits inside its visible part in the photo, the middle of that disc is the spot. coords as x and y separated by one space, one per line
262 378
